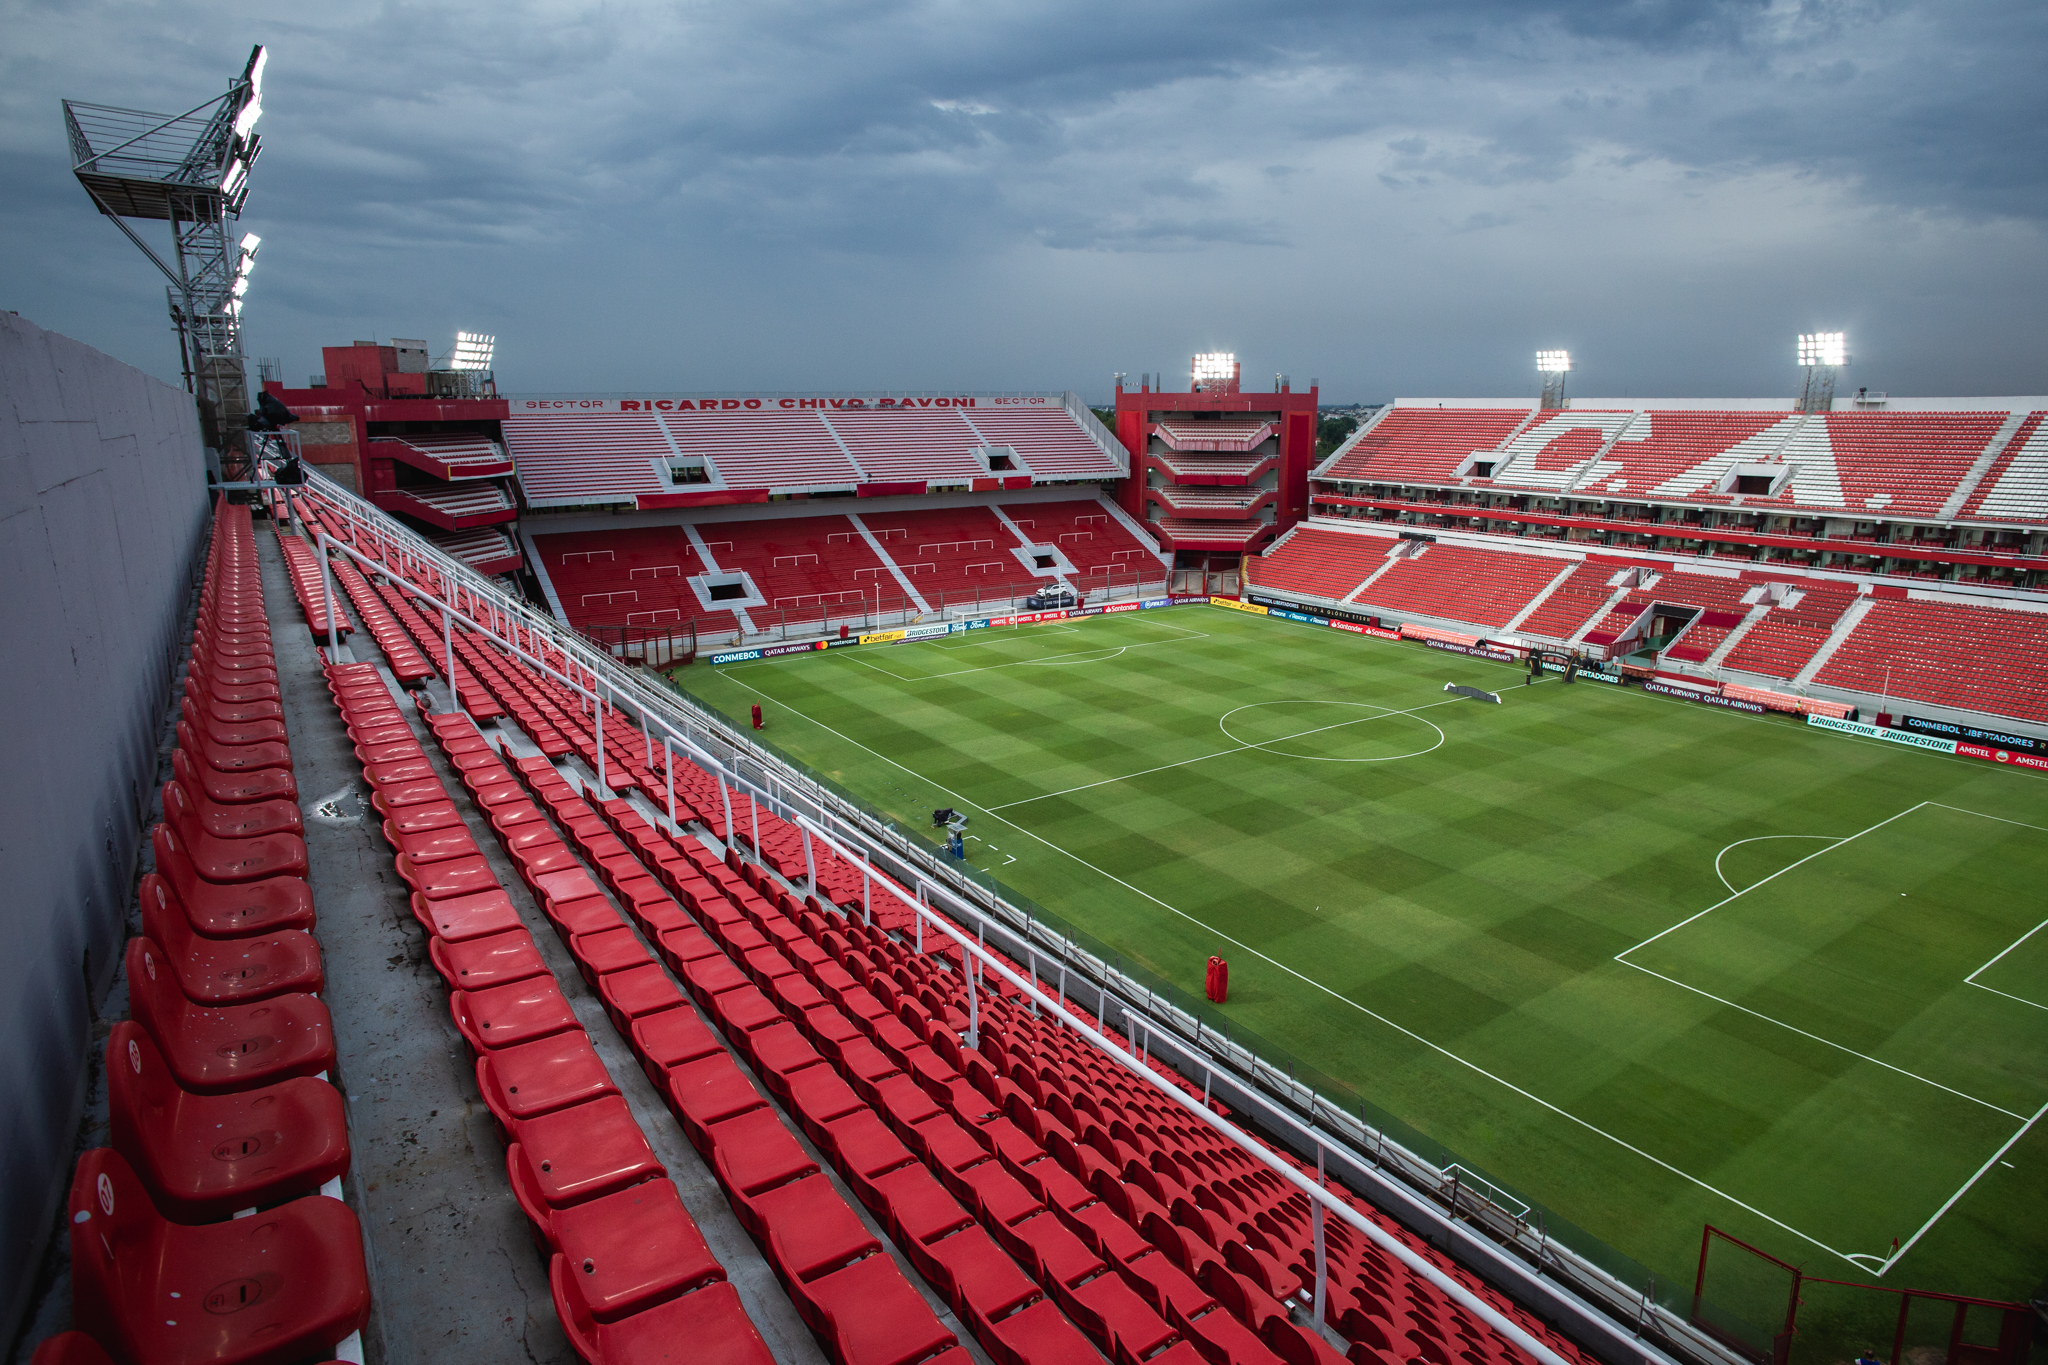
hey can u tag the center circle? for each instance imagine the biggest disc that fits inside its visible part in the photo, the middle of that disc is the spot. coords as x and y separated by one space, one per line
1330 731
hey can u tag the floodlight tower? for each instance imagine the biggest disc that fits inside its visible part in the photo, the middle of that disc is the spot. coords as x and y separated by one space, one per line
465 372
1821 354
190 170
1214 372
1553 366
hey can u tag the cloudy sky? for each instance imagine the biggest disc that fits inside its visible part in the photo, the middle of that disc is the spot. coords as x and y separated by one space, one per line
1391 198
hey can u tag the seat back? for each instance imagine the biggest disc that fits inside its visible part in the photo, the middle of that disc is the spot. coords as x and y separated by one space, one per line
113 1226
141 1092
154 999
179 811
164 918
171 862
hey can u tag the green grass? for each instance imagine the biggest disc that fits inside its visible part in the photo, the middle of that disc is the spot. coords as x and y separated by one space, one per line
1425 898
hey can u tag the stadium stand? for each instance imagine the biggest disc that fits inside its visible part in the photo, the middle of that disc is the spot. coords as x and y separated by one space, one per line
1484 587
1422 444
808 572
1971 657
1318 562
623 451
1571 604
1781 643
2016 486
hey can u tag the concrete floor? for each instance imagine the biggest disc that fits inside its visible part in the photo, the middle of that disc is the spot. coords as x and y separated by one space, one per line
454 1272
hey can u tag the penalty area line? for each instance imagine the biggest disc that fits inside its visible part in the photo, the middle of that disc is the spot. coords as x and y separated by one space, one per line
1314 984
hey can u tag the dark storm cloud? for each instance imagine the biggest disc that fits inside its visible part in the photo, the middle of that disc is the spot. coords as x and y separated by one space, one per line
1005 194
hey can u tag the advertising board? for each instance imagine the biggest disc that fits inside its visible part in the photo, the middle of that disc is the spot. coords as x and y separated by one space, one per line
1236 605
1476 651
1991 755
1851 727
1955 730
1703 698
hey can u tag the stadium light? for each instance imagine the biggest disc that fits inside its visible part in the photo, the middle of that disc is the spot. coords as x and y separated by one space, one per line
1553 362
473 351
1823 348
1215 365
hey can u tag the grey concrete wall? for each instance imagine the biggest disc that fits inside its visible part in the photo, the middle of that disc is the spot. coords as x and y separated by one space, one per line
102 509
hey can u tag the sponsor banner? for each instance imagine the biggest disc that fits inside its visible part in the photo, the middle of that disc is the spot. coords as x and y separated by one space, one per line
1991 755
1182 600
1322 613
839 644
1151 602
1378 633
1955 730
931 632
1704 698
694 403
971 625
1085 611
1236 605
735 656
1121 606
777 651
1476 651
882 637
1851 727
1348 626
1585 674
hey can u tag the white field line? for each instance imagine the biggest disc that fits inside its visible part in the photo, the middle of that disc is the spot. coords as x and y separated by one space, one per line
1313 984
1238 749
1827 1042
1907 1245
1757 840
1622 956
1962 810
1971 979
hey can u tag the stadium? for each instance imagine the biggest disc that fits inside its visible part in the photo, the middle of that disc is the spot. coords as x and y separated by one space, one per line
922 877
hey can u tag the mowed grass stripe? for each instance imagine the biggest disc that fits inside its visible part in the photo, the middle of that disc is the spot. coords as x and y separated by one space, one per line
1476 895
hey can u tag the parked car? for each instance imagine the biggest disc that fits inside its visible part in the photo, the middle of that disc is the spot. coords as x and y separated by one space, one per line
1052 599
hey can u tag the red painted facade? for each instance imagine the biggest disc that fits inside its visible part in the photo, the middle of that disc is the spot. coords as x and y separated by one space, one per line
1215 469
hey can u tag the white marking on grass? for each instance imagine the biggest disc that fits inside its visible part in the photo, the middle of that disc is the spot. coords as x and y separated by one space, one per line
1384 712
1998 1155
1757 840
1623 954
1240 748
1971 979
1828 1042
1369 1013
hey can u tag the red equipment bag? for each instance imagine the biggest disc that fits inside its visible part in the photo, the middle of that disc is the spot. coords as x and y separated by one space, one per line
1216 982
757 715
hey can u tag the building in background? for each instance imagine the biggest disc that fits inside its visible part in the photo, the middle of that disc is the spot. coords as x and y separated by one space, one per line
417 439
1216 472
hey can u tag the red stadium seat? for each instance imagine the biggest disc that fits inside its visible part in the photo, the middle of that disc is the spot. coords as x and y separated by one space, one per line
227 971
231 859
279 1287
632 1248
539 1077
205 1156
70 1348
711 1321
216 1050
257 784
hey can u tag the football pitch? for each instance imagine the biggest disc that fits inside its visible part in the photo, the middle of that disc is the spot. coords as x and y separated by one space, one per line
1646 963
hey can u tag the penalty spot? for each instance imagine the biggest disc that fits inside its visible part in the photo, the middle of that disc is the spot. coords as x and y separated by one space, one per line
1473 692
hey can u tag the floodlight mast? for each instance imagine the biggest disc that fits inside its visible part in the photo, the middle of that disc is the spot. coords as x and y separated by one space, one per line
190 170
1821 354
1214 372
1553 366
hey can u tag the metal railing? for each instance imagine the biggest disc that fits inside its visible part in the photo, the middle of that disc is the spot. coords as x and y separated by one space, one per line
1611 1304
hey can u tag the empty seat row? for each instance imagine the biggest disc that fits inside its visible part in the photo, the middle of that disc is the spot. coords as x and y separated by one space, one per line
210 1229
629 1266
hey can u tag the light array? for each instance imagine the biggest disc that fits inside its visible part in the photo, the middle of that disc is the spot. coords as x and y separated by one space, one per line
473 351
1823 348
1215 365
245 261
1553 362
